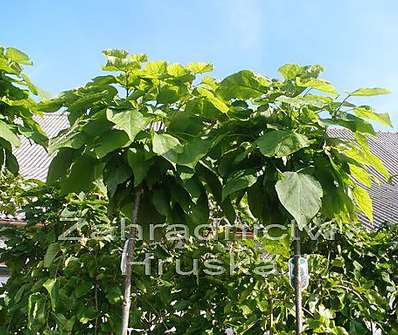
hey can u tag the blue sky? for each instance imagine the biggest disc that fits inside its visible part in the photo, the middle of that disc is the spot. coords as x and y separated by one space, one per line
355 40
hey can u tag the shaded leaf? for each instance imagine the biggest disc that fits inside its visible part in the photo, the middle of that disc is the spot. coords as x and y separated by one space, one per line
51 253
301 195
237 183
279 143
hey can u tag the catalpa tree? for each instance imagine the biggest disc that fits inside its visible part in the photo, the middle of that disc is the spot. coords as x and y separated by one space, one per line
170 146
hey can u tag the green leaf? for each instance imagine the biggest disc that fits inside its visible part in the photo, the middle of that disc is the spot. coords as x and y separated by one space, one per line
364 201
81 175
18 56
351 122
193 151
290 71
301 195
361 175
131 121
51 285
279 143
155 69
113 294
237 183
87 313
213 99
161 202
51 253
65 324
168 94
8 134
243 85
120 60
60 164
200 67
369 92
368 158
37 310
11 162
115 173
358 328
368 113
318 84
72 137
116 139
167 146
138 163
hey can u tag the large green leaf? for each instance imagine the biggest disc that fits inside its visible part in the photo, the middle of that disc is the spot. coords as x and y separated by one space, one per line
11 162
238 182
155 69
65 324
243 85
116 139
364 201
167 146
60 164
18 56
368 158
370 91
361 175
139 164
213 99
279 143
8 134
168 94
131 121
193 151
81 175
351 122
72 137
115 173
318 84
301 195
368 113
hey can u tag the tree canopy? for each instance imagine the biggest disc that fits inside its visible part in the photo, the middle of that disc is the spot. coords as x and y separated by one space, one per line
247 151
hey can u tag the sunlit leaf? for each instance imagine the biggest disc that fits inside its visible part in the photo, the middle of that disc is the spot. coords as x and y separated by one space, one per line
370 91
301 195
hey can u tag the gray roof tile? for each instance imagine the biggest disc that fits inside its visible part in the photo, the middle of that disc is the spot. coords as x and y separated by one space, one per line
33 159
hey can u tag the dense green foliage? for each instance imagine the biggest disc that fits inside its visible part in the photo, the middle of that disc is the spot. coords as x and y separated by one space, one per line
17 107
247 151
72 286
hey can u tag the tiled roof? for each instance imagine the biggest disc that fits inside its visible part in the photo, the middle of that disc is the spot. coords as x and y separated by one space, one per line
33 159
34 162
385 196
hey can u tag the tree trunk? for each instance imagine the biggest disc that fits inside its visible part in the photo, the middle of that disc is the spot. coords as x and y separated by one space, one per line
297 286
129 259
